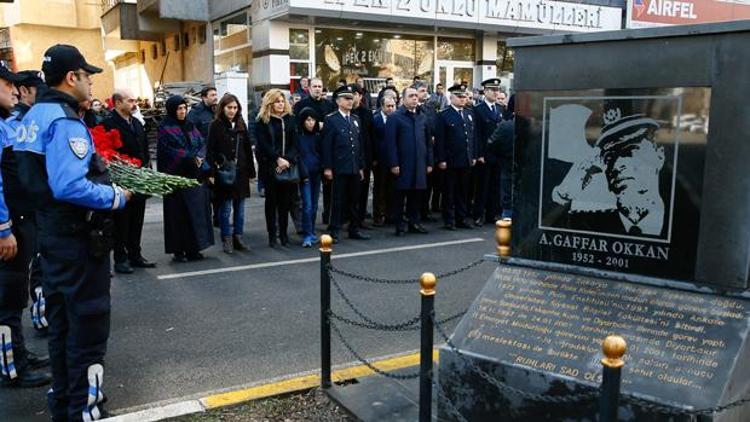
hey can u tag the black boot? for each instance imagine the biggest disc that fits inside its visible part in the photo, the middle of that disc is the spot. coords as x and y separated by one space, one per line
272 240
238 243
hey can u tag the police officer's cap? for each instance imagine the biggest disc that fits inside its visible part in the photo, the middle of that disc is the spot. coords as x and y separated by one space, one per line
6 74
30 78
620 131
458 90
61 59
491 83
343 91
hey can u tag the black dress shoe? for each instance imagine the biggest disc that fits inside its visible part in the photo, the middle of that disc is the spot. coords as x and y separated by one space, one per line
364 226
334 236
123 268
417 228
179 257
36 361
284 239
463 225
142 262
194 256
429 219
358 235
479 222
450 227
28 379
272 242
399 230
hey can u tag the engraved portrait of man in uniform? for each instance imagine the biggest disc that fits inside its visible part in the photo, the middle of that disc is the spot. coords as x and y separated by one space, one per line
615 182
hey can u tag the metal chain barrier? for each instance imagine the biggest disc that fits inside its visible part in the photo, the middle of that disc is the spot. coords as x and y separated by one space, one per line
654 407
366 362
448 404
369 322
377 280
505 388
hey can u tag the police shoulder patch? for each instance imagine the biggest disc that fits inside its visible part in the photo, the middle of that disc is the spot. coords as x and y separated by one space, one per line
79 146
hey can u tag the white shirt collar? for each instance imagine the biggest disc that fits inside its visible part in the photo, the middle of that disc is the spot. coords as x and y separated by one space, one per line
456 108
344 114
489 104
385 116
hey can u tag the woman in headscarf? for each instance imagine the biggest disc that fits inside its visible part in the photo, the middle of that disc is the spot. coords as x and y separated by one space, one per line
277 152
187 212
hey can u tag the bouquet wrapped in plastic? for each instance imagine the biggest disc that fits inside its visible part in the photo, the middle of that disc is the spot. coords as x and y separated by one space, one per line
127 172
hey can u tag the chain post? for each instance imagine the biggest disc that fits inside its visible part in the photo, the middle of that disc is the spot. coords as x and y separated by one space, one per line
502 237
614 348
427 283
325 308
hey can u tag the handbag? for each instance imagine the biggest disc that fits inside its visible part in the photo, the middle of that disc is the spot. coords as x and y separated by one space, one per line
290 175
226 174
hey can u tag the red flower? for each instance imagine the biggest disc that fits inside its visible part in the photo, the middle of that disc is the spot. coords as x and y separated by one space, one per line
107 143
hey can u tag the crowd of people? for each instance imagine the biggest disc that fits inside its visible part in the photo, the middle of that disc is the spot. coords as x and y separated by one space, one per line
61 217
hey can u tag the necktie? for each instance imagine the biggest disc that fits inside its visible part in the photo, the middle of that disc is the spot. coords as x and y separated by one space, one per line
492 108
349 120
461 112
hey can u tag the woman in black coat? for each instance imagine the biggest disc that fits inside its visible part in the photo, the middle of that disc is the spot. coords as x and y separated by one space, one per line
277 153
230 155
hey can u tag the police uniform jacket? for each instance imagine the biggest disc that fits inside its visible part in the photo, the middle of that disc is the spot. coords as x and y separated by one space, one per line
409 148
366 133
455 138
16 198
58 167
342 144
486 121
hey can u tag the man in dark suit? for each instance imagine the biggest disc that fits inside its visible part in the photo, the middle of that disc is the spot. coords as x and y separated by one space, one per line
409 157
456 153
382 190
343 162
366 134
317 101
488 114
129 220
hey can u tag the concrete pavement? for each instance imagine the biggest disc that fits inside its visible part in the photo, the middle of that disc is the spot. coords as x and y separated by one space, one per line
177 336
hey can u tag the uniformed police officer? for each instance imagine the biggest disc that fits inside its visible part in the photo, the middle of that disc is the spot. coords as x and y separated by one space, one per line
30 85
343 162
59 167
16 251
486 173
455 153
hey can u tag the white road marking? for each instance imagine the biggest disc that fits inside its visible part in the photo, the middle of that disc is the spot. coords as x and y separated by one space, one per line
161 412
315 259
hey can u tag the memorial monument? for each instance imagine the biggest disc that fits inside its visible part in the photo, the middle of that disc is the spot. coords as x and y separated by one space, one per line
632 218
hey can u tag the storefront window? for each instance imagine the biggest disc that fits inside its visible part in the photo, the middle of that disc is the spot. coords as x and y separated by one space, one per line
504 58
372 57
299 56
455 49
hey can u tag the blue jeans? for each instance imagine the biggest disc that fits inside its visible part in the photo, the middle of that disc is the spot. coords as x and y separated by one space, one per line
238 205
310 193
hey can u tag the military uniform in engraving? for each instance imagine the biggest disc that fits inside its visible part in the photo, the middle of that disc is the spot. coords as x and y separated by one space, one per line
455 146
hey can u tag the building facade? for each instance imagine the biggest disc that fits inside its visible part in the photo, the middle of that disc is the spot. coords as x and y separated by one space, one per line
276 42
27 29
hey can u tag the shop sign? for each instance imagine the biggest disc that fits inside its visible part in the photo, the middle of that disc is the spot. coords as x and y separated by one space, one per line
536 14
266 9
647 13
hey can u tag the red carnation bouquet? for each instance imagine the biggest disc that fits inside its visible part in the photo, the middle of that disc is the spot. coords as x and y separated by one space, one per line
127 172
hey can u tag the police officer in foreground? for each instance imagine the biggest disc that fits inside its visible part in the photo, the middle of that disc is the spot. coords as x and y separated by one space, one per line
456 154
74 198
343 163
30 86
17 234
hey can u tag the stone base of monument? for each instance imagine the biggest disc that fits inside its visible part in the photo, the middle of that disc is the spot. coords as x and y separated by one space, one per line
539 331
376 398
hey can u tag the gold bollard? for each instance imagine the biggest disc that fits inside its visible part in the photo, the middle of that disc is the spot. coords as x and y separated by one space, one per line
325 243
614 348
502 237
427 282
